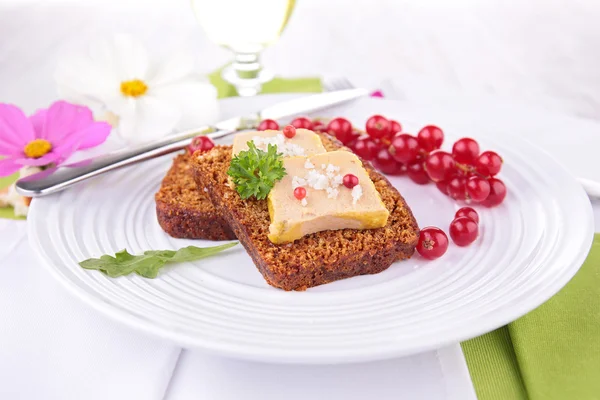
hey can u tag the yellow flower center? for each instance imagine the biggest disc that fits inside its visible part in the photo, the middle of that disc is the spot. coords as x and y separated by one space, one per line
37 148
133 88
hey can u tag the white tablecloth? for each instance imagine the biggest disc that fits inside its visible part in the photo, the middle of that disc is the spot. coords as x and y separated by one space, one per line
52 346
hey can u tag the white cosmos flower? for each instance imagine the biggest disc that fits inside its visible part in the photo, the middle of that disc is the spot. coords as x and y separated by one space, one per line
145 100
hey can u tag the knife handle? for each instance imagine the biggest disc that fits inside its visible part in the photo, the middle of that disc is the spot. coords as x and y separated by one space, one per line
55 179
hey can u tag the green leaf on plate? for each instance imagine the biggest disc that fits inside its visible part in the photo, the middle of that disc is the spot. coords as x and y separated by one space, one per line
148 264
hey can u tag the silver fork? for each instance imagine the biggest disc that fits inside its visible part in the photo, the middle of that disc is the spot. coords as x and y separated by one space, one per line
337 83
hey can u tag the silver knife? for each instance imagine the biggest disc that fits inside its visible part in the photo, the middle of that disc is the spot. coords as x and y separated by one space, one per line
55 179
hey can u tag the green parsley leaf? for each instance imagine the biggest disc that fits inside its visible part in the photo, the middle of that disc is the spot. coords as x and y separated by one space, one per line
254 171
148 264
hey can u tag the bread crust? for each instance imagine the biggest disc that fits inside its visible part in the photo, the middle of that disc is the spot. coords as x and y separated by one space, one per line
185 212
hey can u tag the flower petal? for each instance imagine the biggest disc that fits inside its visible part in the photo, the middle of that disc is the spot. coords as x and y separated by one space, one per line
93 135
38 120
8 166
149 118
67 149
176 67
196 99
126 56
84 80
46 159
64 119
15 130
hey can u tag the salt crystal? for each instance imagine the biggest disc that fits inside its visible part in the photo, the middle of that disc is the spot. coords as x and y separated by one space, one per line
283 146
297 182
317 180
332 193
357 193
332 168
337 180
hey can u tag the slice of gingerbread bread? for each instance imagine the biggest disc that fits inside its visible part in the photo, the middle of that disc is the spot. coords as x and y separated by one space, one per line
317 258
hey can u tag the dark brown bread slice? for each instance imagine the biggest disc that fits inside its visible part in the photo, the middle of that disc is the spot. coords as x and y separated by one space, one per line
318 258
185 212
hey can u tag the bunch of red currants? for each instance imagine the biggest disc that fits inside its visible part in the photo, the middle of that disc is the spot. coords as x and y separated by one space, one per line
465 174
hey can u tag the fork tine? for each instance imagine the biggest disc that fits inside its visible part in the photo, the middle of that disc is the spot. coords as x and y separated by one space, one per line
345 84
337 83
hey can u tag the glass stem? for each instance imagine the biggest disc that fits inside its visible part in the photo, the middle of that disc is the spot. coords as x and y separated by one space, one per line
246 73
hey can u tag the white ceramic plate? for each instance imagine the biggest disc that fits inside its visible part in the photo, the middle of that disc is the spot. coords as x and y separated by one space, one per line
528 249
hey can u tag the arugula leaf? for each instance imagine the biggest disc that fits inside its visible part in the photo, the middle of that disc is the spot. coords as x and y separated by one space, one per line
254 171
149 263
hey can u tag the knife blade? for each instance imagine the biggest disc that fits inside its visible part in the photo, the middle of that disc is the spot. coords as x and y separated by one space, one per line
55 179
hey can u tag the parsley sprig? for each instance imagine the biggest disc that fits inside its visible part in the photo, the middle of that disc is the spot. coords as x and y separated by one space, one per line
254 171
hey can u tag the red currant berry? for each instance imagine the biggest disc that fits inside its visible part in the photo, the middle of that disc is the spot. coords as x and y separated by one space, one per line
442 187
355 136
478 188
384 162
433 243
200 143
302 123
399 169
440 166
299 193
430 138
341 128
404 148
395 127
402 168
457 187
416 172
318 126
289 131
467 212
465 151
366 148
488 163
497 193
385 142
378 127
268 124
350 180
351 144
463 231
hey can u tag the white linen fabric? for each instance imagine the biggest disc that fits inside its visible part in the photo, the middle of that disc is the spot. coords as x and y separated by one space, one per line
429 376
53 346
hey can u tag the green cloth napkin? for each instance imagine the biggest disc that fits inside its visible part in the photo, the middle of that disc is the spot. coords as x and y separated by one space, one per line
552 353
277 85
7 212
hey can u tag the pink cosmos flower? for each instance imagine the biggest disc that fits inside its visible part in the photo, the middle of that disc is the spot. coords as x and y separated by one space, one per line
47 137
